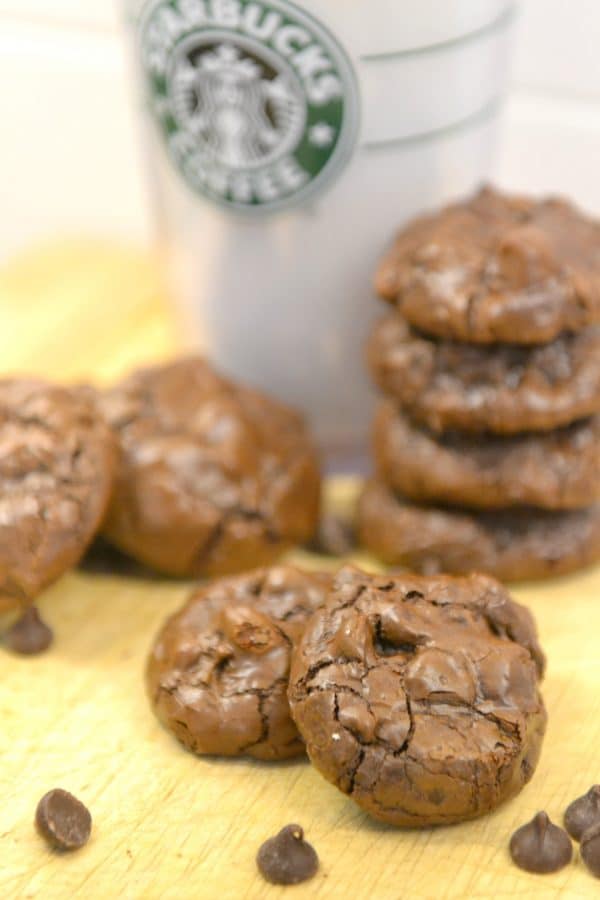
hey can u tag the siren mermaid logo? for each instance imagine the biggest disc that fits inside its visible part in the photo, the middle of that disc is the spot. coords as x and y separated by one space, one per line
257 102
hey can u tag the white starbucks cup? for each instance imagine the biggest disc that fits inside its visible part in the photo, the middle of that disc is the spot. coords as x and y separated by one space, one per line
287 142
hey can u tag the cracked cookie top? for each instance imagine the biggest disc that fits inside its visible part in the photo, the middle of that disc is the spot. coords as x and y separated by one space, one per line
496 268
504 389
56 468
218 671
558 469
510 544
418 697
214 477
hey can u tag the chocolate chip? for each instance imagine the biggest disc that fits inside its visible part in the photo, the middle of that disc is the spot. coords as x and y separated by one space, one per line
335 537
582 813
287 858
249 629
590 849
540 846
29 635
63 820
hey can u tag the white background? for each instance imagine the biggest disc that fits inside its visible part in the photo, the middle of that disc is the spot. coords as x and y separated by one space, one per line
70 161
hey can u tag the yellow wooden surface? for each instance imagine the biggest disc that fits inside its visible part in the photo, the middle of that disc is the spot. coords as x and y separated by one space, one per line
169 825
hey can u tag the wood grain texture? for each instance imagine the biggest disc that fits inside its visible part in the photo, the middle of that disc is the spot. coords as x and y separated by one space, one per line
167 824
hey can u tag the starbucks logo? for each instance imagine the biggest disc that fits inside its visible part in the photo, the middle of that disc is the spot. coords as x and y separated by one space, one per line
257 102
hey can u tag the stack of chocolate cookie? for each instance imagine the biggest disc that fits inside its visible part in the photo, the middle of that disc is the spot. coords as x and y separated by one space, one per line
487 446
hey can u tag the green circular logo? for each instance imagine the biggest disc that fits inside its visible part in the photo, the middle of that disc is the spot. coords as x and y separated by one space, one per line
257 101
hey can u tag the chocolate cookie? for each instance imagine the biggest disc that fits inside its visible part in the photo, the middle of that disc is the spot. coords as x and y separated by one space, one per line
213 478
218 671
552 470
496 268
504 389
418 697
56 469
512 545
